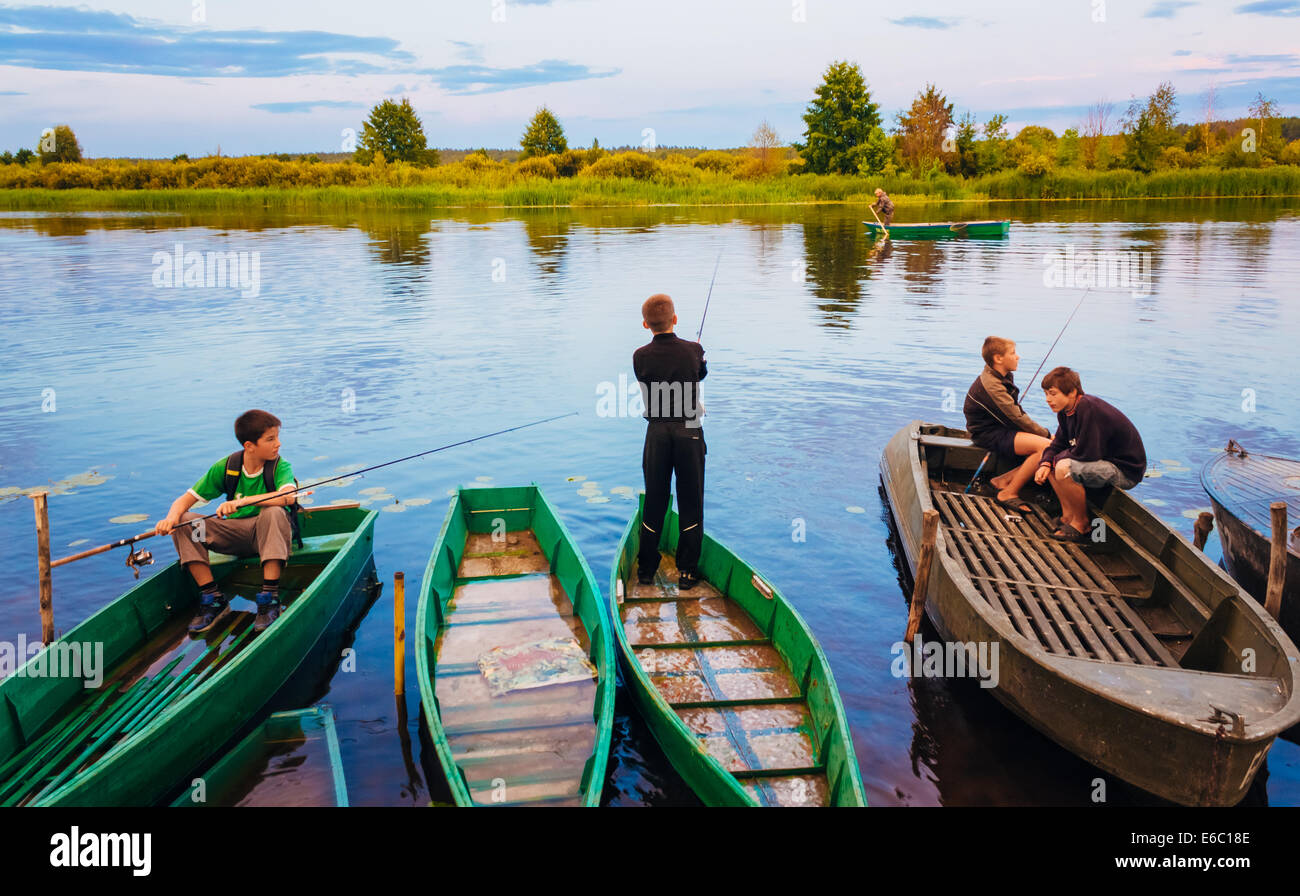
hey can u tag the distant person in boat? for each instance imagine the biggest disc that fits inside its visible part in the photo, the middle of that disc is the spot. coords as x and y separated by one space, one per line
885 206
998 423
1095 446
241 528
669 370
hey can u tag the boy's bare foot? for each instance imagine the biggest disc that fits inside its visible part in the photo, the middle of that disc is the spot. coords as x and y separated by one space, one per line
1001 482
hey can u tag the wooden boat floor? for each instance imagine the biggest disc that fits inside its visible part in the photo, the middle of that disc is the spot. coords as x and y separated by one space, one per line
1060 596
725 680
529 746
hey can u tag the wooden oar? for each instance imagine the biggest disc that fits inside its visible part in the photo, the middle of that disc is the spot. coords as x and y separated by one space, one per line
878 221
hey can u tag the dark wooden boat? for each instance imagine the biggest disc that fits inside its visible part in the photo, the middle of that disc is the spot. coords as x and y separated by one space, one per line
506 575
1241 488
731 681
169 702
1135 653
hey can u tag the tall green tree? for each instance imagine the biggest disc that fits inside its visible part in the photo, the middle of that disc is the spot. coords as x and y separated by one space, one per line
544 135
1149 127
967 162
61 146
395 130
921 129
839 122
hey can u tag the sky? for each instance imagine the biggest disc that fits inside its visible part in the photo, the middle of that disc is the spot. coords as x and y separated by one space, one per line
159 77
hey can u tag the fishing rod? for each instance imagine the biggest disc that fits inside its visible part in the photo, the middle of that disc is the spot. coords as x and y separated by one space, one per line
989 454
709 296
1057 339
143 535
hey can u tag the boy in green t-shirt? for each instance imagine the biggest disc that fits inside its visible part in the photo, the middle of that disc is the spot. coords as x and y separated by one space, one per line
241 528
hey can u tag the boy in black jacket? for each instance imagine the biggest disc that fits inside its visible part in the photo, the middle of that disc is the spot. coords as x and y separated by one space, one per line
1095 446
669 370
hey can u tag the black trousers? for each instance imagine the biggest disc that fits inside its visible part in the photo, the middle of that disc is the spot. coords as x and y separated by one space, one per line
672 449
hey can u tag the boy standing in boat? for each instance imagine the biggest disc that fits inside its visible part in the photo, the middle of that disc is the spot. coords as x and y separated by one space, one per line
997 423
669 370
1095 446
245 525
885 206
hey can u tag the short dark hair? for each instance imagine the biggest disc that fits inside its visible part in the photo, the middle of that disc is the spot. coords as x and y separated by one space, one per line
1063 380
658 311
252 425
995 345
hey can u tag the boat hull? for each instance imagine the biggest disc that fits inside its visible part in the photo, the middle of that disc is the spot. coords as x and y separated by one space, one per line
943 230
468 763
149 764
702 772
1081 704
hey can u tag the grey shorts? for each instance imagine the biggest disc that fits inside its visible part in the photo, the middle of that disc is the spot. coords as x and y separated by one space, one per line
1098 473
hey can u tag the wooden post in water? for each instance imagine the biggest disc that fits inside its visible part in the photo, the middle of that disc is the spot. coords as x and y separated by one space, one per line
929 529
399 634
1276 560
1203 527
46 584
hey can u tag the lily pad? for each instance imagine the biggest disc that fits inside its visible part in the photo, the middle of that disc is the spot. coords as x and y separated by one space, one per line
621 490
482 478
393 508
320 457
576 478
417 502
853 508
1154 474
73 544
1154 502
600 499
130 518
1193 514
342 501
374 490
81 480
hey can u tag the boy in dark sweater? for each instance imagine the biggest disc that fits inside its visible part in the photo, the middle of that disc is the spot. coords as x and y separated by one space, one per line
245 525
669 370
1095 446
997 423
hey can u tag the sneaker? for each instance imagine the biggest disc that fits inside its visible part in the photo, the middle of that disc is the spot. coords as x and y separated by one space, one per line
209 611
268 610
687 580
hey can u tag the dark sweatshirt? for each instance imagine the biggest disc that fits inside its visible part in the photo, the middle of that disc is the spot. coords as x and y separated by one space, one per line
1097 431
669 370
993 404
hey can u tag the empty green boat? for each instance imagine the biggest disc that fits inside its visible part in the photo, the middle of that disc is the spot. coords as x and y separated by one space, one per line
291 759
514 658
731 681
169 702
943 229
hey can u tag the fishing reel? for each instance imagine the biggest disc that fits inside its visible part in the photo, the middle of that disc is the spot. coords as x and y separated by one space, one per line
136 559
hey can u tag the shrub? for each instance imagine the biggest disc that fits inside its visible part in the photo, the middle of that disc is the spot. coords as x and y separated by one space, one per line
715 160
537 166
625 164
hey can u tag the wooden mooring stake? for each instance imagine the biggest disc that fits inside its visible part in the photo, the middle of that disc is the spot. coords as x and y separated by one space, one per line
1202 529
1276 560
46 584
929 529
399 634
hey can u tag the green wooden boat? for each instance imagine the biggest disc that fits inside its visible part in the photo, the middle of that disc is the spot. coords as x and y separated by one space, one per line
1135 653
515 659
943 229
299 748
168 702
731 681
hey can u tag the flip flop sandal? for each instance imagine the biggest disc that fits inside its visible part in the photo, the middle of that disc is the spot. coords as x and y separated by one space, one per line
1017 505
1070 535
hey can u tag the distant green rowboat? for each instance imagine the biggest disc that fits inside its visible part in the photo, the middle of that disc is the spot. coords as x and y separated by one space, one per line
943 229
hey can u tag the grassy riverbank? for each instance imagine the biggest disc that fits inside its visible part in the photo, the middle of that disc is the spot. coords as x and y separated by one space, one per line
166 186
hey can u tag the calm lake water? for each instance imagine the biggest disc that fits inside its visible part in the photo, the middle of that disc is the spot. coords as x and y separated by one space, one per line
379 334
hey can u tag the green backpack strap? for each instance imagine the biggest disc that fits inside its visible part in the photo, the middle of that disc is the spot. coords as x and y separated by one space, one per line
234 467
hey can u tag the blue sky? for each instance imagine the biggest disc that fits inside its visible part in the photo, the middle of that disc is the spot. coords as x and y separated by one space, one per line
160 77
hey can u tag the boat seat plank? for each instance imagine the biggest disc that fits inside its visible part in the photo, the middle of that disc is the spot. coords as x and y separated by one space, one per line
931 441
